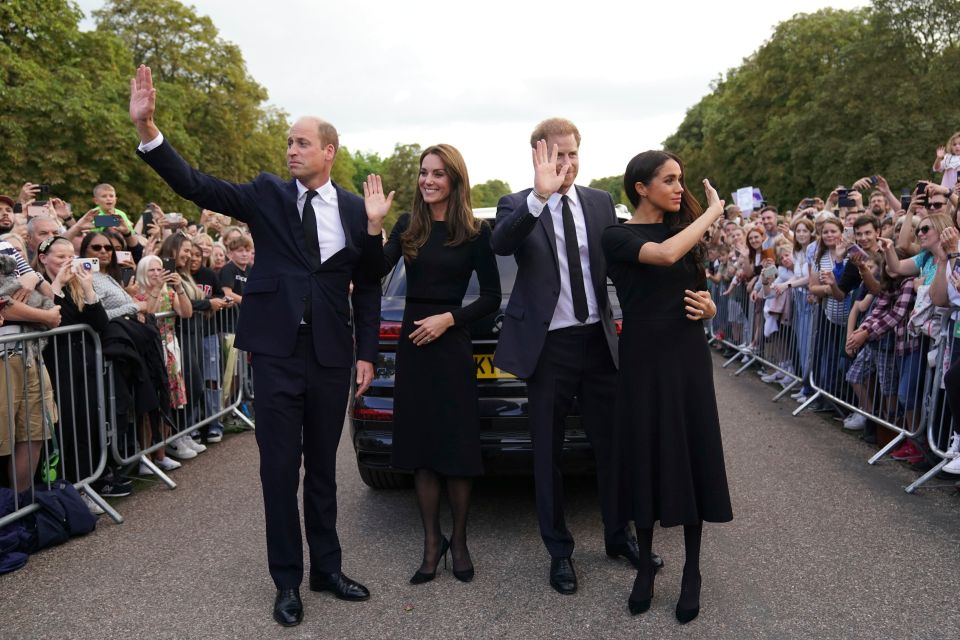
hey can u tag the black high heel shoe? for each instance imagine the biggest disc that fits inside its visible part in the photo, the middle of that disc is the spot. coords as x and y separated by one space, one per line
636 602
689 595
464 575
421 576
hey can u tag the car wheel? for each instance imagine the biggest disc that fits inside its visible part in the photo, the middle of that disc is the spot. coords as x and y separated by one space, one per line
380 479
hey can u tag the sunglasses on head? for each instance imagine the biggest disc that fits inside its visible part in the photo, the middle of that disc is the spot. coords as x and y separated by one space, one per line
923 229
101 247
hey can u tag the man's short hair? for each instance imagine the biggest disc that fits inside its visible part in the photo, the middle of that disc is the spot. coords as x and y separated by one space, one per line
100 187
865 219
32 222
240 242
326 132
769 208
554 127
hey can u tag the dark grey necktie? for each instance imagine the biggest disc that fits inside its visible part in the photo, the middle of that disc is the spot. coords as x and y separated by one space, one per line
574 267
309 224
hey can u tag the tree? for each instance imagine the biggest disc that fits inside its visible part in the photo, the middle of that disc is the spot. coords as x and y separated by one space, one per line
364 165
488 194
612 185
400 171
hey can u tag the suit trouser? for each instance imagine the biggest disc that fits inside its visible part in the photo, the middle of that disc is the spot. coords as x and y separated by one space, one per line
575 362
300 407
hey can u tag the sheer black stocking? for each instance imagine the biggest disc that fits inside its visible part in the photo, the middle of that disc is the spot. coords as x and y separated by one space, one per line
458 492
643 584
427 486
690 583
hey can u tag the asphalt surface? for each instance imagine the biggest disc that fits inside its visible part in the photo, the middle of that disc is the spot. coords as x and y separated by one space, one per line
822 546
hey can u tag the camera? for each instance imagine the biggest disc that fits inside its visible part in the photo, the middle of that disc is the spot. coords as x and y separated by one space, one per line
89 265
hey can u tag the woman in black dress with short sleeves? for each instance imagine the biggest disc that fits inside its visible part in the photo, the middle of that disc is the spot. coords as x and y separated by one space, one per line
436 421
669 458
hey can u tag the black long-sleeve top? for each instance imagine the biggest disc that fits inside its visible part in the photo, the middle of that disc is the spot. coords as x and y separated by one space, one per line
441 273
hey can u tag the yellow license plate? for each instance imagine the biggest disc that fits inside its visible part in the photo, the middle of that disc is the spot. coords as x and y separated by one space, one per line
485 368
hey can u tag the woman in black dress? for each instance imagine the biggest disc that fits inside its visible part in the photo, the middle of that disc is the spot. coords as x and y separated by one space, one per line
436 420
669 458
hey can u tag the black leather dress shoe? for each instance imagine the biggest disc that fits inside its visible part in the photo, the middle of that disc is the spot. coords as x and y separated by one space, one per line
288 608
563 578
631 552
340 585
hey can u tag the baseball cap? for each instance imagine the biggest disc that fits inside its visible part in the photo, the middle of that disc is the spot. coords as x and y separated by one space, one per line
7 200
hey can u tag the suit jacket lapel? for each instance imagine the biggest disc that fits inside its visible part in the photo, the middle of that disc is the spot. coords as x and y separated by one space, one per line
546 221
345 221
296 226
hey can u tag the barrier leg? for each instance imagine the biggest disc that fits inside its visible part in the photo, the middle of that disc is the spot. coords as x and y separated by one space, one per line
243 418
786 389
746 366
887 449
806 404
144 459
103 504
929 474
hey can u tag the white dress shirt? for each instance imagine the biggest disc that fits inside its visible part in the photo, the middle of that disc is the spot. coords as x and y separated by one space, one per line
330 232
563 315
329 228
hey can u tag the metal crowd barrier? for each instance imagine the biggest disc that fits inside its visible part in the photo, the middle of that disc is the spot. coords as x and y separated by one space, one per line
941 428
214 375
59 397
904 392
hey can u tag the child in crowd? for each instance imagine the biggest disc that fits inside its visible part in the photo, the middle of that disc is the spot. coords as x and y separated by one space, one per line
948 161
233 276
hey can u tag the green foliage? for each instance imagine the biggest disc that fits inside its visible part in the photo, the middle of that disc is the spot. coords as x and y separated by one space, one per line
64 97
488 194
833 96
364 165
612 185
400 173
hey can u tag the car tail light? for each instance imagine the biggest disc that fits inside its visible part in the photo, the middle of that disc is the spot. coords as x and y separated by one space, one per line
389 330
377 415
619 325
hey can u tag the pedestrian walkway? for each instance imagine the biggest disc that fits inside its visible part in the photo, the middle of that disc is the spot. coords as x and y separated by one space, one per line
822 546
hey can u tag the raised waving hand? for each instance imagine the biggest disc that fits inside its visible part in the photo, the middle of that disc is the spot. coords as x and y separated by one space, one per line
143 103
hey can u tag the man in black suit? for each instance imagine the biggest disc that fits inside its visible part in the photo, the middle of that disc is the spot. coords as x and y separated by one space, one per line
558 332
312 240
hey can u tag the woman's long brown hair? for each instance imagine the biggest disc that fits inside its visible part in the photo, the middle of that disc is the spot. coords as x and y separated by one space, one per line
461 225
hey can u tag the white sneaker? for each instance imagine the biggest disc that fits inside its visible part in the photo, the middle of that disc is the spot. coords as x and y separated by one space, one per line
179 449
193 444
94 508
855 422
773 376
953 466
796 394
168 463
801 398
953 450
144 470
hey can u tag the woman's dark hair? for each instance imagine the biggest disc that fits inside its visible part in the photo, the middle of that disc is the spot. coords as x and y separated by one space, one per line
171 249
112 269
644 167
461 225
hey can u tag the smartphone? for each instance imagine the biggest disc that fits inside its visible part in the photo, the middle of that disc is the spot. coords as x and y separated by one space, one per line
921 187
905 201
848 234
172 219
807 203
844 199
36 210
147 218
873 180
769 272
123 256
169 264
857 249
86 264
106 220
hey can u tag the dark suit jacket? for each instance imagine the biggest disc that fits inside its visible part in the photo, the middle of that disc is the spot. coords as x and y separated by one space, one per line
276 292
537 288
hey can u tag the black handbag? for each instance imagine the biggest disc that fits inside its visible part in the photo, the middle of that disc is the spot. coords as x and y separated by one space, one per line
61 515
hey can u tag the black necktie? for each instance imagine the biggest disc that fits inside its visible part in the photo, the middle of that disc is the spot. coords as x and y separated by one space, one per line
309 224
575 269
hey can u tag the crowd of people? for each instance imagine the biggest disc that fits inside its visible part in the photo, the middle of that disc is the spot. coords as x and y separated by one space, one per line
158 292
852 295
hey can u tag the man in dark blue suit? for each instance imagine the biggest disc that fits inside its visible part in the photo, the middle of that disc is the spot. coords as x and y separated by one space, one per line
312 240
558 333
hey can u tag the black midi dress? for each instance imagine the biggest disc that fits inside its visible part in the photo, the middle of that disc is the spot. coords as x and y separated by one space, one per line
436 422
668 454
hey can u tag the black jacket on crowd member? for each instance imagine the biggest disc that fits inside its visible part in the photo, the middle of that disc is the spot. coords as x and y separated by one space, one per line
140 373
71 361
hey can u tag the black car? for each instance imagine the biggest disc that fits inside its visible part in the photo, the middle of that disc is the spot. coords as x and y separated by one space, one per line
504 430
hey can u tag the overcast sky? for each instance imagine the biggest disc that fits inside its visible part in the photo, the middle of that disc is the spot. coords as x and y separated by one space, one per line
480 75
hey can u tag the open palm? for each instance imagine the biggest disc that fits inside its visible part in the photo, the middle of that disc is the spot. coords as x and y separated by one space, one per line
143 96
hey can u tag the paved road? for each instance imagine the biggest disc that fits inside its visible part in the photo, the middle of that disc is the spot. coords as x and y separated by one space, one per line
822 546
